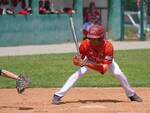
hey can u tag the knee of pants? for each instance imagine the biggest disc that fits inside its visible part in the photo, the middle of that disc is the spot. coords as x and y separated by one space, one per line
120 76
82 71
117 73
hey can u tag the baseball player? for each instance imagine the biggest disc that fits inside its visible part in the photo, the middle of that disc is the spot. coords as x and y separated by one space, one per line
92 15
22 81
96 53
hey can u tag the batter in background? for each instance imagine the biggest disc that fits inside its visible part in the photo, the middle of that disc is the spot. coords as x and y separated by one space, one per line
96 53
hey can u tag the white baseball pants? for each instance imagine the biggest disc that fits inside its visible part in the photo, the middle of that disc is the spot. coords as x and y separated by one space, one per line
113 68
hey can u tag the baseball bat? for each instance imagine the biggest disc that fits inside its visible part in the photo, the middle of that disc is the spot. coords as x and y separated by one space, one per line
70 12
74 33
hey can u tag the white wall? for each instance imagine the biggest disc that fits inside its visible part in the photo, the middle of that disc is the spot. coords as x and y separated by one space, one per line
60 4
99 3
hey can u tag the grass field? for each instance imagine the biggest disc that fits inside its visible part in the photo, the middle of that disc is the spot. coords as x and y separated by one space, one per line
52 70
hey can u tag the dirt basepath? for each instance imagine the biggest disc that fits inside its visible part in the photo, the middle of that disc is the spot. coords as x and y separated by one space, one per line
77 100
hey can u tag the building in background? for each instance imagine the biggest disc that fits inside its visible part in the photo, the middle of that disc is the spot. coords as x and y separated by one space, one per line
52 26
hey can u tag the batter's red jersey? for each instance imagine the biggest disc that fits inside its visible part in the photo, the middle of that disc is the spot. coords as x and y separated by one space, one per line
98 54
101 55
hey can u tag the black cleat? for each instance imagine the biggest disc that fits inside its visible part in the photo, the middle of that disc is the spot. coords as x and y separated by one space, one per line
136 98
56 99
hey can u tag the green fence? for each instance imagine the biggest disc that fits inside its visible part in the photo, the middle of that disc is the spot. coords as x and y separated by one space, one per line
54 28
115 24
37 28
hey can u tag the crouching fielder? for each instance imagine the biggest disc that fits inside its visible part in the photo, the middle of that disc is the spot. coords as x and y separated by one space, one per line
96 53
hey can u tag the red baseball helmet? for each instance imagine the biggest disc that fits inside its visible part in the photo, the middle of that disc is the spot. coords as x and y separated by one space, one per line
96 31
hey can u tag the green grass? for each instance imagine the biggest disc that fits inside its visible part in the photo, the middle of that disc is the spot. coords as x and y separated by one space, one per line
52 70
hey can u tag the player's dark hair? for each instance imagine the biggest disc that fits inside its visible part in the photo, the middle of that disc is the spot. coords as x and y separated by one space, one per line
84 38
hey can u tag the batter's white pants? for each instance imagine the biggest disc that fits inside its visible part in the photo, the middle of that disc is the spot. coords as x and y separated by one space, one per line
113 68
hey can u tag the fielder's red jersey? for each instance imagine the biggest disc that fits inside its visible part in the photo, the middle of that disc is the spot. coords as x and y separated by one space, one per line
98 54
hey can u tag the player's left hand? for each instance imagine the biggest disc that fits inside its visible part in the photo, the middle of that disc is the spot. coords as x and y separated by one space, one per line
77 60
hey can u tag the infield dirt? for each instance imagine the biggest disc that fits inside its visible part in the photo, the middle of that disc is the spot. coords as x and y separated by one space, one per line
77 100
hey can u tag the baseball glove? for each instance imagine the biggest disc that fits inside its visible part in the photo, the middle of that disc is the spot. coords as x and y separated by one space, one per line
22 83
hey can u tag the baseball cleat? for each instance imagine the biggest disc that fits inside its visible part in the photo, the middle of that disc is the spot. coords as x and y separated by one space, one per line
56 99
136 98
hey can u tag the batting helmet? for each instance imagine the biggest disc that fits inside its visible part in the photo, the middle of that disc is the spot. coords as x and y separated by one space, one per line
96 31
